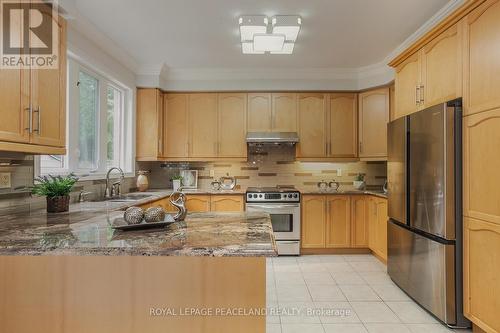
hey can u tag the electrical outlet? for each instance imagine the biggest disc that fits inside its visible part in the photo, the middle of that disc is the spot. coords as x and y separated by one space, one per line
339 172
212 173
5 180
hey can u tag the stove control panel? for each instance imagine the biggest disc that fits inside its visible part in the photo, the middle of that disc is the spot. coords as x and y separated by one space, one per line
273 197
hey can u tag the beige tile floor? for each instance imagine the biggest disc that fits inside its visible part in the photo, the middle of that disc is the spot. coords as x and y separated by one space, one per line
340 294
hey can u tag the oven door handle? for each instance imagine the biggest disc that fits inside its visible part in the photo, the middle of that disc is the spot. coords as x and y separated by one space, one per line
273 206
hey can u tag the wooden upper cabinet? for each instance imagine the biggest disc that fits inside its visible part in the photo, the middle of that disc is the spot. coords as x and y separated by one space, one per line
313 221
198 203
149 124
392 102
176 125
343 123
203 125
45 91
232 116
48 96
359 221
442 68
312 115
13 106
259 112
481 162
227 203
431 75
284 112
338 221
373 118
276 112
407 81
482 59
14 102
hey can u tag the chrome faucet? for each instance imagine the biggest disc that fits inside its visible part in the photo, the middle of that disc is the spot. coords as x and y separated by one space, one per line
114 190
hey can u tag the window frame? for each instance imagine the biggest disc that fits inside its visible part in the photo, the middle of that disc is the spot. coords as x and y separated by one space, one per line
125 153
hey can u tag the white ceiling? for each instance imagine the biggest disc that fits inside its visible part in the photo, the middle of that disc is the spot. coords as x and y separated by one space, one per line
203 34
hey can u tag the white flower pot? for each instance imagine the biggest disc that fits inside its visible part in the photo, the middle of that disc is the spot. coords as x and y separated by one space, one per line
176 184
359 185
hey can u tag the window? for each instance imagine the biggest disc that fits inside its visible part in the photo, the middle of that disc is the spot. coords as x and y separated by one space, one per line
97 123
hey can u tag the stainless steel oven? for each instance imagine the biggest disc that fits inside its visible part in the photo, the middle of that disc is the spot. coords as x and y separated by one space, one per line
283 205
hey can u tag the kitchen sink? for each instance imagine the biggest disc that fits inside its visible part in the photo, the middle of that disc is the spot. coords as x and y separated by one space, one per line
129 197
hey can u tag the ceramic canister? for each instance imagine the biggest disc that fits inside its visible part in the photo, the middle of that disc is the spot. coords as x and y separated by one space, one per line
142 181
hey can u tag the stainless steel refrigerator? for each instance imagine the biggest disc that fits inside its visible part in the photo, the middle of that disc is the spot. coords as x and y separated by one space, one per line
425 209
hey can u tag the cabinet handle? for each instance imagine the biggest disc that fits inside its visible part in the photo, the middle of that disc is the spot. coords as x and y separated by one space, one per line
38 111
360 147
160 146
422 90
30 119
417 95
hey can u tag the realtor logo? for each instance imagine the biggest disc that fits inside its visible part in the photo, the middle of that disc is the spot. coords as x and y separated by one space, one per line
30 34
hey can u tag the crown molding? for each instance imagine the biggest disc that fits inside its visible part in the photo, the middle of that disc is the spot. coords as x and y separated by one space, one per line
431 23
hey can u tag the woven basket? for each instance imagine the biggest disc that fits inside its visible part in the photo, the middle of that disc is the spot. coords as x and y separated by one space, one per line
58 204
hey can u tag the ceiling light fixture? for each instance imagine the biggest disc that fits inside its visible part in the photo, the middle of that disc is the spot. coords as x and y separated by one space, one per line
259 37
247 48
288 25
287 49
268 42
251 25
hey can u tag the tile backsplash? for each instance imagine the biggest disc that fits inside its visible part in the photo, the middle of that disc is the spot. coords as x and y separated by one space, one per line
302 175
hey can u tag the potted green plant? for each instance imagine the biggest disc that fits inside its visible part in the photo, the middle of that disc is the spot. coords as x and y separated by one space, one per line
176 182
56 189
359 181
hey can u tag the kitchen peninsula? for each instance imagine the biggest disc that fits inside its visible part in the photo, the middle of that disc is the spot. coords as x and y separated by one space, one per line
69 265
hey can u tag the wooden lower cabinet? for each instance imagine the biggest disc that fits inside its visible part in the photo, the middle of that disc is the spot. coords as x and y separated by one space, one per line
377 226
197 203
334 221
163 203
371 218
227 203
326 221
359 221
338 221
381 226
482 273
313 210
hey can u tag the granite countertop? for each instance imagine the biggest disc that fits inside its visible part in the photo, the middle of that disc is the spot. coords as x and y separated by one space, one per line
349 192
86 230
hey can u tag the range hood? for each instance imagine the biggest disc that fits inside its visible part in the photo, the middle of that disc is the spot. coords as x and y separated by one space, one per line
272 137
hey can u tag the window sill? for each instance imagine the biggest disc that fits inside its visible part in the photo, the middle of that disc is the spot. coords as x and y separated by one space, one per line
100 176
